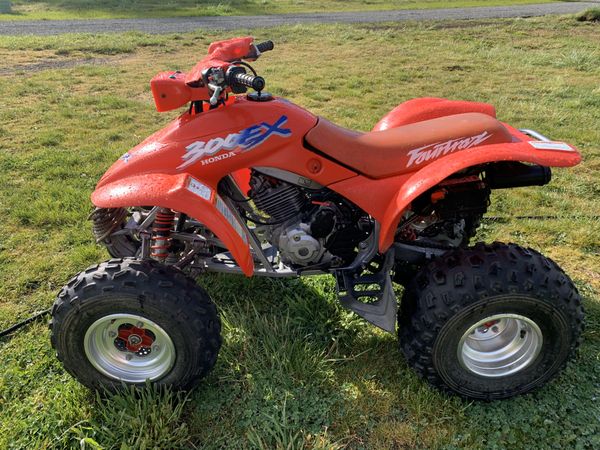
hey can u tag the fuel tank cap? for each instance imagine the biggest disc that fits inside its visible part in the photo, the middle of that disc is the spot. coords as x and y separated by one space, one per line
259 96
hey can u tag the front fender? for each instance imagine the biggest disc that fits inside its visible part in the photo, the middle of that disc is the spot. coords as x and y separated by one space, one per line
185 194
432 174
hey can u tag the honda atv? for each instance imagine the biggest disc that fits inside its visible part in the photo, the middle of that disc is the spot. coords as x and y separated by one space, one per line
252 184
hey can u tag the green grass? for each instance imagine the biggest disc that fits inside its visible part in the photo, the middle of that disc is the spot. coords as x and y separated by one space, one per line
296 370
589 15
91 9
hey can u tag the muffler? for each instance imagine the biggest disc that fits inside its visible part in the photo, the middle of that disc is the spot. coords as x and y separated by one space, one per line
510 174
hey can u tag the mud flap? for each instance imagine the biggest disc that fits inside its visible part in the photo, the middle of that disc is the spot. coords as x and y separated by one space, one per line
379 305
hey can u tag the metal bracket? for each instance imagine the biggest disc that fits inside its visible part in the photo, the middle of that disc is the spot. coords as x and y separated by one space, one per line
352 286
415 254
534 134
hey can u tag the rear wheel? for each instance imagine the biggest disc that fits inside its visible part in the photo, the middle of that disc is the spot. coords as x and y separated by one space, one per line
131 321
490 322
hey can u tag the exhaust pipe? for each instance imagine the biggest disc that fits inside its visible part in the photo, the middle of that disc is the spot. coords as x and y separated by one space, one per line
509 174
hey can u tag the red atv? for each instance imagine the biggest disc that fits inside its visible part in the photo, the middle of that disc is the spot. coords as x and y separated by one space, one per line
252 184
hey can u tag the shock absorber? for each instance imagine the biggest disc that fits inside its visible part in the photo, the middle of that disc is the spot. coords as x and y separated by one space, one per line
161 234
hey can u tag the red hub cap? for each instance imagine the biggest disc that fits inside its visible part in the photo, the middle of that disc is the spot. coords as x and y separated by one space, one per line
490 323
134 339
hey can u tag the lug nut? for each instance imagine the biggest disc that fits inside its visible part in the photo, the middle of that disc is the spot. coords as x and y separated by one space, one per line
155 348
128 356
140 324
112 334
523 334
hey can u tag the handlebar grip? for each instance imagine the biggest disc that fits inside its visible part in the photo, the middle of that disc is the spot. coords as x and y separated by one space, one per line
245 79
265 46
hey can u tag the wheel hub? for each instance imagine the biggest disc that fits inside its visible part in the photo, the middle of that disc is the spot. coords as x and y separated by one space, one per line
134 339
500 345
129 348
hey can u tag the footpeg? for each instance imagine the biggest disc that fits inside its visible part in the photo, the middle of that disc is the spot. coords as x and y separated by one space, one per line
371 296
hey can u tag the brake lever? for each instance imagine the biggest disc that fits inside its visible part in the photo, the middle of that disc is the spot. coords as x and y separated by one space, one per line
214 79
217 90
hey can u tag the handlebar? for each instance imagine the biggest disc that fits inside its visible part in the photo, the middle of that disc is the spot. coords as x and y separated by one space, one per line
236 77
252 81
239 78
265 46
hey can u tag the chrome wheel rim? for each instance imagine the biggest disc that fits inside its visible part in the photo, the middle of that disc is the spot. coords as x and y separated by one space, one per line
500 345
129 348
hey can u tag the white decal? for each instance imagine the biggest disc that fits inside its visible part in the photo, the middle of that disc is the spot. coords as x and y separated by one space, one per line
142 150
151 147
216 158
200 189
548 145
433 151
244 140
228 214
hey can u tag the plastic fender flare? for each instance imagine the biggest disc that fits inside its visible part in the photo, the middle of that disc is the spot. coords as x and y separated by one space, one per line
432 174
427 108
172 191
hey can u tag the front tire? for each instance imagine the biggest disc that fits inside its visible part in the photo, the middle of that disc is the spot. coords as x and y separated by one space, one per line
129 321
490 322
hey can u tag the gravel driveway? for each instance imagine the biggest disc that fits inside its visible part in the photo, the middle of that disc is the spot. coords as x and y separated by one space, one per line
185 24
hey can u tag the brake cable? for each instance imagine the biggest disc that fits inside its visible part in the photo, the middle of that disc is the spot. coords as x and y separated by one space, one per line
33 318
245 64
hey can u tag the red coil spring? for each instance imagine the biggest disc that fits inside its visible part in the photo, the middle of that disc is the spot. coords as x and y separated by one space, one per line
161 234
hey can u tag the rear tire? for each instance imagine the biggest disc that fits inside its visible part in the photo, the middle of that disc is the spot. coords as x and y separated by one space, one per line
128 320
490 322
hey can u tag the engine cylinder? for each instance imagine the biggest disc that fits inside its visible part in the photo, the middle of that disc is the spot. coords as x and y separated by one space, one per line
280 200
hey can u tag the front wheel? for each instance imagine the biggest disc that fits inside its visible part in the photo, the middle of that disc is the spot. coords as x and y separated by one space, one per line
131 321
490 322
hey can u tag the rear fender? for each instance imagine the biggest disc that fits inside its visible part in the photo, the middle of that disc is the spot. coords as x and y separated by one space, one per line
185 194
427 108
549 154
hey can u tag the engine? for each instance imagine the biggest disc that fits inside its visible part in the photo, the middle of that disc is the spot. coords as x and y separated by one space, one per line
309 224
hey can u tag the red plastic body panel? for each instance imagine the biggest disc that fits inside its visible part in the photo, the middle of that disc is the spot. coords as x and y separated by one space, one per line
395 194
171 191
432 174
220 54
426 108
164 151
152 172
231 139
170 91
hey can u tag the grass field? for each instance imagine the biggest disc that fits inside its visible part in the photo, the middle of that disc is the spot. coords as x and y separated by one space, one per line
92 9
296 370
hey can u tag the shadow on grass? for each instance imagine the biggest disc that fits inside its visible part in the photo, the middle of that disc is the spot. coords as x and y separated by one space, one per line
298 371
294 356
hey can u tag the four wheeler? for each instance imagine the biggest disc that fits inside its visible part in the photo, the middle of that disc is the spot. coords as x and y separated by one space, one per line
249 183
